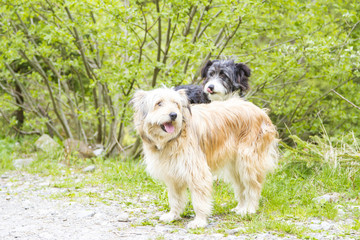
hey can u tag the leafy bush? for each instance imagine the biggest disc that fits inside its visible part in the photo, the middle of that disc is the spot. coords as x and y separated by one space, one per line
70 68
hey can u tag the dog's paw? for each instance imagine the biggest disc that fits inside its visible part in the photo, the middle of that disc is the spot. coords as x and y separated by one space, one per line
197 223
169 217
242 211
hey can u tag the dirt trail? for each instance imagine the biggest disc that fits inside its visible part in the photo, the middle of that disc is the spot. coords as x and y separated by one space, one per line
28 210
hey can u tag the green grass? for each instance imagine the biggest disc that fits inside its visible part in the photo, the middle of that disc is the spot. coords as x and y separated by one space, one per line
7 147
286 197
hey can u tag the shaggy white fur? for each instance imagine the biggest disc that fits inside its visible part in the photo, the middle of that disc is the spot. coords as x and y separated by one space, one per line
184 145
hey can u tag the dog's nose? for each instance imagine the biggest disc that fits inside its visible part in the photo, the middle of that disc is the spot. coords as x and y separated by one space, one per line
211 87
173 116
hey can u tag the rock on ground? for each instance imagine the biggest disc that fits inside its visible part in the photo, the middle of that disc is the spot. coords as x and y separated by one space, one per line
90 168
329 197
46 143
78 147
22 162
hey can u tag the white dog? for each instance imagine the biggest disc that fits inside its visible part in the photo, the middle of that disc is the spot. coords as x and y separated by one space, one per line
183 145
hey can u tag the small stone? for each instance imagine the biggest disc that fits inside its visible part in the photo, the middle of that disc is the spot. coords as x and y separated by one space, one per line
22 162
44 184
354 208
78 147
315 227
90 168
144 199
4 176
316 221
341 212
235 230
98 152
46 143
326 226
163 229
86 214
8 198
338 207
349 221
329 197
123 217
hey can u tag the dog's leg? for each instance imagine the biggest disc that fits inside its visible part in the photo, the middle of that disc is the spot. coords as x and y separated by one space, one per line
232 173
201 188
251 179
177 201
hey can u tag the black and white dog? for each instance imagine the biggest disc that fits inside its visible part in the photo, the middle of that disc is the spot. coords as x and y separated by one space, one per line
221 79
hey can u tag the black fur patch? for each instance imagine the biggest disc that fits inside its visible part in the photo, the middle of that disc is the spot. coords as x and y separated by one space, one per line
195 93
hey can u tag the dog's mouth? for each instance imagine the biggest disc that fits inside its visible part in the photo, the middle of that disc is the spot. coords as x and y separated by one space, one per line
210 91
168 127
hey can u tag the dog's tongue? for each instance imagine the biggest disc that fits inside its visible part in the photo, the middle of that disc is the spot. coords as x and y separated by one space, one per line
169 127
209 90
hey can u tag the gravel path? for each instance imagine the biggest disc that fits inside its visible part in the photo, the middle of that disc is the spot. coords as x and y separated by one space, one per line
28 210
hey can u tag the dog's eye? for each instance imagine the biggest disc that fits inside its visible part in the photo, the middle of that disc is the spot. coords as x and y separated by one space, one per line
159 103
211 74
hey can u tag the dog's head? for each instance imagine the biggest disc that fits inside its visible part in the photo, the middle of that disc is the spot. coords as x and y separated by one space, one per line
222 77
159 114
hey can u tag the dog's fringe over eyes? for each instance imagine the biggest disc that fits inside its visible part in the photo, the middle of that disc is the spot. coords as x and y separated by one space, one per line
221 80
232 136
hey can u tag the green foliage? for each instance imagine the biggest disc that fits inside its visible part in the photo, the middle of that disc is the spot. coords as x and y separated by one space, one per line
6 153
78 62
342 150
299 51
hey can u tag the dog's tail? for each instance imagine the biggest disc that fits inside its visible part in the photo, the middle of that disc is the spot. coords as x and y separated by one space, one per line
267 144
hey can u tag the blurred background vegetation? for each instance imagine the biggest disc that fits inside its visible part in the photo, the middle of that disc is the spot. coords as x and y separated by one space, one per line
69 68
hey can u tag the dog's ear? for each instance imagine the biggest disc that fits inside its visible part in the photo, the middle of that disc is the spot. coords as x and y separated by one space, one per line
243 72
139 103
205 69
184 99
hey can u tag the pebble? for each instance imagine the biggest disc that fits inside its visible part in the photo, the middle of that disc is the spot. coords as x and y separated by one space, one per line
235 230
329 197
22 162
46 143
340 210
44 184
217 235
123 217
354 208
98 152
86 214
163 229
90 168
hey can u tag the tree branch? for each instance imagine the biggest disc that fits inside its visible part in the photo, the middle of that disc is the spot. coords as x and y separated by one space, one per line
18 130
230 37
193 10
345 99
158 57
